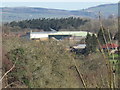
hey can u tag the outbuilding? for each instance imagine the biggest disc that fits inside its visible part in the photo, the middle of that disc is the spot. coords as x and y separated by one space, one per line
58 35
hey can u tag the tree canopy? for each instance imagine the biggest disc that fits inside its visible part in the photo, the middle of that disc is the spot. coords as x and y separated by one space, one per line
46 24
103 35
91 43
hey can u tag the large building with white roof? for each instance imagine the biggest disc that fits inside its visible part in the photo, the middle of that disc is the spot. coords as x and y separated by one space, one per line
58 35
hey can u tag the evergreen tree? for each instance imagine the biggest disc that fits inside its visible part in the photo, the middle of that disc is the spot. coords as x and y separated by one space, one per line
47 23
88 43
116 36
103 35
94 42
91 43
100 36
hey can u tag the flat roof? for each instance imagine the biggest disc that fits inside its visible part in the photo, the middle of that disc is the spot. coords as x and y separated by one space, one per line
74 33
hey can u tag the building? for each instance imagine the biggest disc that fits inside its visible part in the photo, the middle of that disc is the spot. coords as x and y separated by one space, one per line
59 35
110 46
80 46
113 48
78 49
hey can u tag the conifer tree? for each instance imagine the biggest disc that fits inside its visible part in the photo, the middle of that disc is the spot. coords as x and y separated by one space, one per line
91 43
100 36
94 43
88 43
103 35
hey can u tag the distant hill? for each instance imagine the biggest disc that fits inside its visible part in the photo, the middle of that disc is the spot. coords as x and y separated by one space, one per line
106 9
22 13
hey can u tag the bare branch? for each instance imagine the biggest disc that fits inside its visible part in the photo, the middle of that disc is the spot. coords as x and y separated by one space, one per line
7 72
13 83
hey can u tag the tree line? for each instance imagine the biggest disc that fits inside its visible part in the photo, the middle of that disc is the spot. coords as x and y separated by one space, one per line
47 23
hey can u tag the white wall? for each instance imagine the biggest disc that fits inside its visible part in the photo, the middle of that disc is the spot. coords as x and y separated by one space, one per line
32 35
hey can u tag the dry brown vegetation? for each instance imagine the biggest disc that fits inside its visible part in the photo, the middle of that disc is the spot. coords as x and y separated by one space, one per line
49 65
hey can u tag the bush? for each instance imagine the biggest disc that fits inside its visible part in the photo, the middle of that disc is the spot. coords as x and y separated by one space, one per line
40 65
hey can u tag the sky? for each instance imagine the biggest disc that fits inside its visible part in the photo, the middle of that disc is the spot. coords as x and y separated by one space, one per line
56 4
60 0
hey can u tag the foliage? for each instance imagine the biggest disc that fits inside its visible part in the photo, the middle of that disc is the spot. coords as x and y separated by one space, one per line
91 43
46 24
94 70
48 65
18 57
116 37
91 25
41 65
103 35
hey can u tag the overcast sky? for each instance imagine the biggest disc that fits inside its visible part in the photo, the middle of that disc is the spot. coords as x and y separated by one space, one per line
56 4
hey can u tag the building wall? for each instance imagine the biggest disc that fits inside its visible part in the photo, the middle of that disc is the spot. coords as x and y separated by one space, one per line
41 35
32 35
59 36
